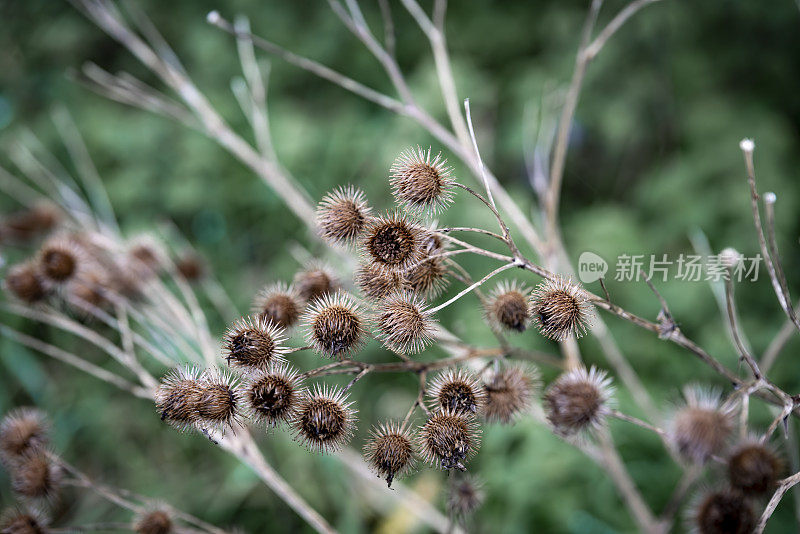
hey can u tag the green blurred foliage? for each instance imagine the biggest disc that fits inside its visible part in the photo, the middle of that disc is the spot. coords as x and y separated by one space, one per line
654 159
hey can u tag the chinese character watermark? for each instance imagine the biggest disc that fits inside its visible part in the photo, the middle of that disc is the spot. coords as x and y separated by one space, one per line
661 267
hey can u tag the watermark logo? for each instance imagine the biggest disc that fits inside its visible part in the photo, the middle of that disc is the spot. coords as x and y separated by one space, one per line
591 267
660 267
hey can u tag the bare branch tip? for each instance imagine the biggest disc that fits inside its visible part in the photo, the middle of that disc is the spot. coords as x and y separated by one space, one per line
213 17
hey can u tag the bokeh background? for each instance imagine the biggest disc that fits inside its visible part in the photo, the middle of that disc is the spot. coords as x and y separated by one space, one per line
653 161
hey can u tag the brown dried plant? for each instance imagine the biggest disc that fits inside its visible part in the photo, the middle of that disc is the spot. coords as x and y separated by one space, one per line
136 287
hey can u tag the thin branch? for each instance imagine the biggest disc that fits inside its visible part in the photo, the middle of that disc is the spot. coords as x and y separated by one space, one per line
473 286
311 66
777 344
744 354
565 122
75 361
747 147
242 445
630 494
435 34
616 23
772 242
783 486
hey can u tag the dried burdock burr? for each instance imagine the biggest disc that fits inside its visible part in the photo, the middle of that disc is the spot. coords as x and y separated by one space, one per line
145 256
324 421
560 309
342 214
458 391
89 288
18 521
404 324
431 242
723 512
465 495
701 427
280 304
26 224
509 389
334 325
154 521
315 281
217 401
754 468
389 451
375 282
177 397
191 267
421 181
26 283
253 343
272 396
578 400
509 306
428 278
22 431
123 280
59 260
393 242
448 439
35 476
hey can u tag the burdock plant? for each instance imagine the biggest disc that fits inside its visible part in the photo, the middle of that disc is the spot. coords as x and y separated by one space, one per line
130 299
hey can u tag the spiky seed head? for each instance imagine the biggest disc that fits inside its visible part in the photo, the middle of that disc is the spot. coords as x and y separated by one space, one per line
59 260
89 287
26 283
465 496
509 306
177 397
754 468
28 223
272 396
458 391
315 281
22 431
431 242
124 280
559 309
280 304
392 242
254 343
18 521
420 181
217 400
723 512
156 521
389 451
146 255
334 325
191 267
578 400
448 439
34 476
342 214
509 390
427 278
701 427
324 421
404 324
376 282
